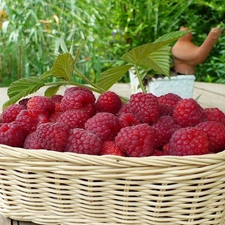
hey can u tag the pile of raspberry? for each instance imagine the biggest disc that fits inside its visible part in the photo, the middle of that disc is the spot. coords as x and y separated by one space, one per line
146 125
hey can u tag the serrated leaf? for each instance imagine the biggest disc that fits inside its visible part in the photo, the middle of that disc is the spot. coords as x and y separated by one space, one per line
46 74
22 88
50 91
139 54
63 66
111 76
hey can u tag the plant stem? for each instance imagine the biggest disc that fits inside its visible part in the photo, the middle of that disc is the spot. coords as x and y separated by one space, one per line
139 79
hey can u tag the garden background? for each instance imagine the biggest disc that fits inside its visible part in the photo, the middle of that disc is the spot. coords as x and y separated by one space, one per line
33 33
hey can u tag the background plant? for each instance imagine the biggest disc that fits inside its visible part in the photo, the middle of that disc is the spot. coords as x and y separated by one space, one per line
33 33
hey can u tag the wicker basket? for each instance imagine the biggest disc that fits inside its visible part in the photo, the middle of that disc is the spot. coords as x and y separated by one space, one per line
49 188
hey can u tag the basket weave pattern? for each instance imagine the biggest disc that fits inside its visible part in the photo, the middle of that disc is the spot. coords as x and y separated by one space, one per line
49 188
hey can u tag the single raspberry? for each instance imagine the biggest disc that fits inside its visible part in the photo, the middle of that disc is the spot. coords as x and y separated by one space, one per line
72 89
128 119
145 106
216 135
10 113
83 142
188 141
110 148
170 99
78 100
165 110
103 124
32 142
137 140
29 120
11 134
125 108
108 102
41 105
188 113
164 127
215 114
74 118
57 100
53 136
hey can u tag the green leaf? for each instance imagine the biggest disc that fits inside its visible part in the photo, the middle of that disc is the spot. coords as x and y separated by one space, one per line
111 76
50 91
22 88
140 54
63 66
46 74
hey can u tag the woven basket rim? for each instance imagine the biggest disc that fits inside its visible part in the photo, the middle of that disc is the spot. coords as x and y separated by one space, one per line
15 153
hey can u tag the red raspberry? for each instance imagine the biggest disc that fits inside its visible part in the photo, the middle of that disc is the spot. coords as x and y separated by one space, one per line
53 136
57 100
103 124
188 141
215 114
11 134
74 118
29 120
84 142
32 142
108 102
165 110
164 127
110 148
128 119
216 135
170 99
41 105
145 107
10 113
72 89
78 100
137 140
188 113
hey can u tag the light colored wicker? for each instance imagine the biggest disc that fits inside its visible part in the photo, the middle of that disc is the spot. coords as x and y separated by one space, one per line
52 188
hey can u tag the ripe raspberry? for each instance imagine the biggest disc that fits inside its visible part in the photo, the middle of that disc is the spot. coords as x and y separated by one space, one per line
110 148
216 135
32 142
165 110
72 89
103 124
188 113
29 120
164 127
74 118
82 100
10 113
83 142
41 105
125 108
188 141
53 136
57 100
215 114
108 102
11 134
170 99
145 106
128 119
137 140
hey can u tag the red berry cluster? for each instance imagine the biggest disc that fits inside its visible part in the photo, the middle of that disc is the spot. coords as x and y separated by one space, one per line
146 125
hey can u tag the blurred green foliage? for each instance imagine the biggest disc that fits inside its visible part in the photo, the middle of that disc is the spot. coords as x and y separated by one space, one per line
33 33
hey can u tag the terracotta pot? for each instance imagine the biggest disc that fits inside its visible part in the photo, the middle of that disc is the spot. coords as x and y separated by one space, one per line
182 85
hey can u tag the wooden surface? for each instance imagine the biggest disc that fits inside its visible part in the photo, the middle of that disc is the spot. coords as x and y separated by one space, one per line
209 95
